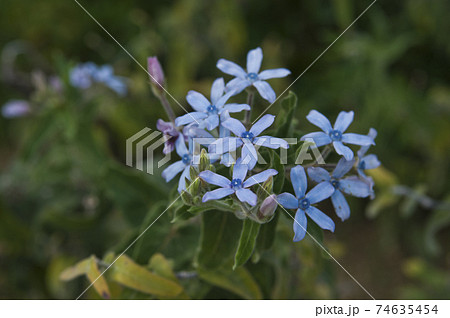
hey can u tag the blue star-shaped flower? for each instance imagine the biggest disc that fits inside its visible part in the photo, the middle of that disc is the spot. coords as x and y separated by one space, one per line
303 202
336 134
207 113
350 185
252 76
367 162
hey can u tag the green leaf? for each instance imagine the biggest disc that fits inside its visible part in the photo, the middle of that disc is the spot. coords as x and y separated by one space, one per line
239 281
289 106
127 273
247 242
80 268
438 220
219 238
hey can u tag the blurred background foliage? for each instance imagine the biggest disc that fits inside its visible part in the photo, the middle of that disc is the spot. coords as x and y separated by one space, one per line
66 193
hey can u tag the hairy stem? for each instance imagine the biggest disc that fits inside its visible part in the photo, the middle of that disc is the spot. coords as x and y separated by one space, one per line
167 108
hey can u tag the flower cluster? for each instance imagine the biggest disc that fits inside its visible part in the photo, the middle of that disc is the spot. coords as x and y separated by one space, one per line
233 142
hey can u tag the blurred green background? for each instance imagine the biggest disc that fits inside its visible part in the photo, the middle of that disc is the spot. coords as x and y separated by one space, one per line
65 192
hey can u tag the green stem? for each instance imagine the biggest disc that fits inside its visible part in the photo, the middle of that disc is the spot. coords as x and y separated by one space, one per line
167 108
248 113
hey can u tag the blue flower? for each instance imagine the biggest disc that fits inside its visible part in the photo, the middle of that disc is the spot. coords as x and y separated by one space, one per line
16 108
351 185
336 134
237 185
207 113
251 76
183 165
367 162
303 202
248 138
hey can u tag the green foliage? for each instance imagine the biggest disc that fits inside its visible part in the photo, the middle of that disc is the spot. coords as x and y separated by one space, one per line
247 242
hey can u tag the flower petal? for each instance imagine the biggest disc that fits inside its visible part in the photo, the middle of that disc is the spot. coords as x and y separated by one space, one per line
222 100
197 101
223 145
237 85
212 122
343 150
371 162
249 155
217 89
265 90
254 59
214 178
342 167
343 120
246 195
231 68
262 124
320 192
271 142
320 218
259 177
300 224
180 146
227 160
287 200
190 118
240 170
372 134
319 138
319 120
217 194
235 126
171 171
357 139
274 73
354 187
235 108
298 179
340 205
318 174
183 177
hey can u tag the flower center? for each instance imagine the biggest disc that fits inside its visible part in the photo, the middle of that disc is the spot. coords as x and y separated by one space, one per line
212 109
248 135
303 203
335 183
252 76
362 165
236 183
186 159
335 135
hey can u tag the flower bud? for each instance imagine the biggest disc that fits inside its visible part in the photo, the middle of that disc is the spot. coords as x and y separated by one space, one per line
195 187
16 108
156 74
268 208
186 197
204 160
193 173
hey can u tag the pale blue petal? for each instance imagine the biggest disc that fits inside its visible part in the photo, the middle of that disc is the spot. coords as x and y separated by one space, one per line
237 85
222 100
320 192
318 174
197 101
259 177
214 178
171 171
300 224
180 146
217 89
343 150
183 177
231 68
265 90
371 162
357 139
212 122
249 155
240 170
287 200
227 160
235 126
262 124
340 205
246 195
223 145
298 180
342 167
343 120
217 194
271 142
274 73
372 134
223 132
190 118
320 138
354 187
319 120
235 108
320 218
254 59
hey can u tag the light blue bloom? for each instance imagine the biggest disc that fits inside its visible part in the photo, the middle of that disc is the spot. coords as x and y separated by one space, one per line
336 134
367 162
247 138
237 185
183 165
207 113
251 76
81 75
16 108
303 201
351 185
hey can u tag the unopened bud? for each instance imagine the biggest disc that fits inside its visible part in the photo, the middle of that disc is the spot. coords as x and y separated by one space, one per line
266 188
195 186
186 197
204 160
156 75
193 173
268 208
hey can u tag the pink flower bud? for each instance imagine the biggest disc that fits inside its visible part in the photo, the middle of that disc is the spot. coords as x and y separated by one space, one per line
268 207
156 72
